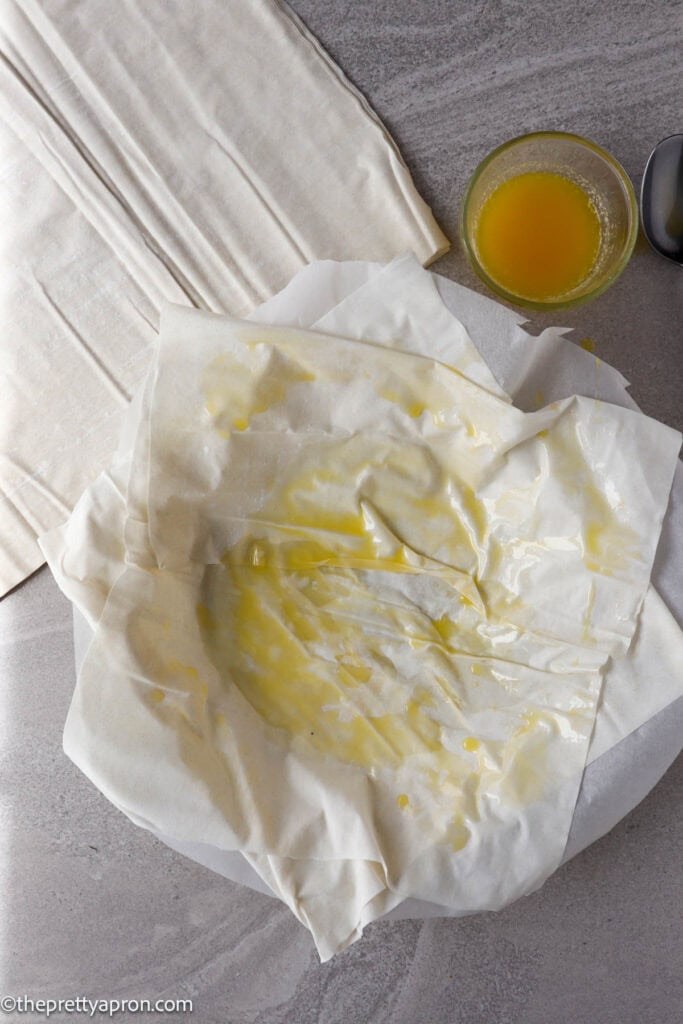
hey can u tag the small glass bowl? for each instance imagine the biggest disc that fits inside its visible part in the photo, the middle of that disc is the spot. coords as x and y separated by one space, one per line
594 170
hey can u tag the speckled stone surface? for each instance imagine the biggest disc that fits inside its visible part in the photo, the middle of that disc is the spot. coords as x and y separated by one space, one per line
452 79
90 905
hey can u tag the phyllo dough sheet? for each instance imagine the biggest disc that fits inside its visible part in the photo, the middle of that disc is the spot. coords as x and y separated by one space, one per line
361 612
199 153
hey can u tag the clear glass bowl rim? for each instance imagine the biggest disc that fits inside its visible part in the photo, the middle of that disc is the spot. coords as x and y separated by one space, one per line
629 244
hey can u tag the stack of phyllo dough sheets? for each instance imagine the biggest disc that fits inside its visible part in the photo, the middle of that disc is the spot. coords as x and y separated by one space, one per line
352 611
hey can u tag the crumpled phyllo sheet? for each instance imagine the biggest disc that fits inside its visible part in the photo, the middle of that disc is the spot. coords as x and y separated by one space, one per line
362 637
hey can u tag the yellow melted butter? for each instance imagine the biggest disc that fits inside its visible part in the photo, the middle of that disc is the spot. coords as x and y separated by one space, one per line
405 400
538 234
315 519
328 684
327 680
302 663
320 656
235 391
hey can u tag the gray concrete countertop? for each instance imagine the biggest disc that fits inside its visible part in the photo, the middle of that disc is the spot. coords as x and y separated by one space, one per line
452 79
90 905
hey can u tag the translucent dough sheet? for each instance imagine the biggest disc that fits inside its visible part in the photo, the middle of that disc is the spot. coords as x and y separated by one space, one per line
352 608
187 158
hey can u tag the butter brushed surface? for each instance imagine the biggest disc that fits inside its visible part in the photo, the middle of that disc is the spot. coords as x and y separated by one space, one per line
91 905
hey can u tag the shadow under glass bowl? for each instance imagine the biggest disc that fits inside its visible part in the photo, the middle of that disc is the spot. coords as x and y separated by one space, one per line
592 169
